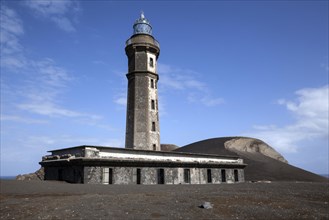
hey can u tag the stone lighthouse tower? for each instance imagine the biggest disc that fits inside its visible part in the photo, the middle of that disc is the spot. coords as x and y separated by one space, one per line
142 123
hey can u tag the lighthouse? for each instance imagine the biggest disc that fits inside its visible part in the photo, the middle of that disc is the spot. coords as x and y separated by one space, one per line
142 121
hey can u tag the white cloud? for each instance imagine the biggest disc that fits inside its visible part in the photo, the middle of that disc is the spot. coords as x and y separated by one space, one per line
121 101
310 111
17 118
48 109
37 142
11 28
64 23
186 80
41 82
56 11
50 73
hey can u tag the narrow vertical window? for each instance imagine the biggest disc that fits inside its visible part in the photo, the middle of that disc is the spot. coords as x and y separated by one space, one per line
153 126
209 178
156 84
110 175
152 104
236 176
157 104
138 173
154 146
151 62
152 83
187 177
161 177
223 174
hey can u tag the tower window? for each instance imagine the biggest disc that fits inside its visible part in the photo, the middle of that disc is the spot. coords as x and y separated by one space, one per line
187 176
152 104
152 83
156 84
154 146
153 126
151 62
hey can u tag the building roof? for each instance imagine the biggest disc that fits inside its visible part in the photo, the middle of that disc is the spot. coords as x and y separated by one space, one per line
127 150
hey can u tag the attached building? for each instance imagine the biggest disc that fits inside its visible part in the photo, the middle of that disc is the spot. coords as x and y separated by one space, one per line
108 165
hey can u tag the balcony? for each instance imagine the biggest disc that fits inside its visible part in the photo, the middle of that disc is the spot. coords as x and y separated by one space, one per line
155 42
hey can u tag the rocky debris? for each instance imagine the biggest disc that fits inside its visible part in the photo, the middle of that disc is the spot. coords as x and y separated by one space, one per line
51 157
37 175
206 205
91 152
168 147
254 146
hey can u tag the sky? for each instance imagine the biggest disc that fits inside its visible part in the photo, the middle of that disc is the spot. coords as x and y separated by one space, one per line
227 68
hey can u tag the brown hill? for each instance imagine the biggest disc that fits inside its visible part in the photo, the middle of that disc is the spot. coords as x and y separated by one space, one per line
168 147
260 159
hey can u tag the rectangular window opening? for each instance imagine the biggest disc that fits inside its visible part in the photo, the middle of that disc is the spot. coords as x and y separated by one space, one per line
209 178
187 176
154 146
223 174
153 126
138 173
151 62
152 104
152 83
161 178
236 176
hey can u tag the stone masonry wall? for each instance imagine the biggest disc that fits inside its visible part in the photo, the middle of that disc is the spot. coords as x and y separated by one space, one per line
149 175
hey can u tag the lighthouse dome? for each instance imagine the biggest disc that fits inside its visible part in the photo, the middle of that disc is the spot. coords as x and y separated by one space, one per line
142 26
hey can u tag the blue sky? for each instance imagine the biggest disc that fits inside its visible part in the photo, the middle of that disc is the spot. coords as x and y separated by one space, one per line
227 68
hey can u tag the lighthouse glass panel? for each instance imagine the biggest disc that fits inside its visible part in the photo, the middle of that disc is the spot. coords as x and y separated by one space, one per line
142 29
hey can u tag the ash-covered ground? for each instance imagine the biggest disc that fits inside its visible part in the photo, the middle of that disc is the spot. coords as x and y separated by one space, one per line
58 200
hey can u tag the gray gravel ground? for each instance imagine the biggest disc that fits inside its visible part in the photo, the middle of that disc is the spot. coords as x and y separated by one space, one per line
57 200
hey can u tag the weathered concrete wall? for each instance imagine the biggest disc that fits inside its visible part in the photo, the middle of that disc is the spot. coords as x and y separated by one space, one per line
195 176
123 175
203 176
241 175
229 176
180 176
51 173
149 176
93 175
171 175
215 174
72 174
